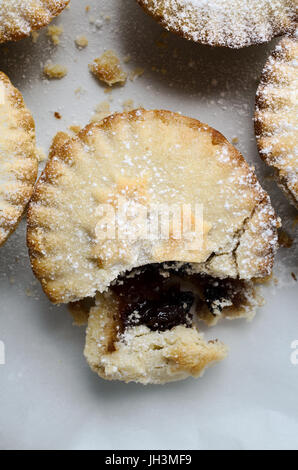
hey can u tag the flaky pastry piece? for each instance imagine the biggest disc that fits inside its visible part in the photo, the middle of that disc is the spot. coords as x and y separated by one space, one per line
276 119
229 23
145 158
18 157
18 18
107 69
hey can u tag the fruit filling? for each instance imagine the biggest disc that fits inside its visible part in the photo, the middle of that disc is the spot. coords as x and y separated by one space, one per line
162 297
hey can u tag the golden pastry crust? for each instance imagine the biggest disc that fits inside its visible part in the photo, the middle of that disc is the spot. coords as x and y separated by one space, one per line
18 157
18 18
276 119
152 157
145 356
230 23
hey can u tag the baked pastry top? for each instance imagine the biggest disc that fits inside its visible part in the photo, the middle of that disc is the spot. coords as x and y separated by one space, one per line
230 23
18 159
277 115
18 18
145 158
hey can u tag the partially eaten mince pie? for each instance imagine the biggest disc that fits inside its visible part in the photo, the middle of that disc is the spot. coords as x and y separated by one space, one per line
161 221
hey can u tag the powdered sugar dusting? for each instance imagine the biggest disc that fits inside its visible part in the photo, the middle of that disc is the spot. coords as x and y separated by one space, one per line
232 23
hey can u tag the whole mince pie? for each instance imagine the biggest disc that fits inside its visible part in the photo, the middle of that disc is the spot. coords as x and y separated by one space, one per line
160 221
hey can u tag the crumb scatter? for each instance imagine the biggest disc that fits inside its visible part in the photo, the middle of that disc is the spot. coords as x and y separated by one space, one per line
54 32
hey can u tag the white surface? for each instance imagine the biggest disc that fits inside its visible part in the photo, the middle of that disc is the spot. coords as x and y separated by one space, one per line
49 399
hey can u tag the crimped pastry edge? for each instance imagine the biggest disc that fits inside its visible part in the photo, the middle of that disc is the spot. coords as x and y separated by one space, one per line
27 122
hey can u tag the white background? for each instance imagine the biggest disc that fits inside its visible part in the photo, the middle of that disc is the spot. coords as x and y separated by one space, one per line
49 399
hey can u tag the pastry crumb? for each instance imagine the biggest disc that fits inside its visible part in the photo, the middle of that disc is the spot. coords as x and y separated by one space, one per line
102 110
107 69
79 91
128 105
55 70
263 280
162 71
285 240
40 154
160 43
29 292
75 128
127 59
80 311
54 32
136 73
81 41
57 115
34 36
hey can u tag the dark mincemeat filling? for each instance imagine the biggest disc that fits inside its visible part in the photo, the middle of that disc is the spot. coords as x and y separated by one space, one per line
152 296
148 298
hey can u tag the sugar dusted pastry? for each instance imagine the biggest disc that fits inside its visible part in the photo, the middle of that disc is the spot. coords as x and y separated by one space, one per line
18 157
230 23
277 115
18 18
151 290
